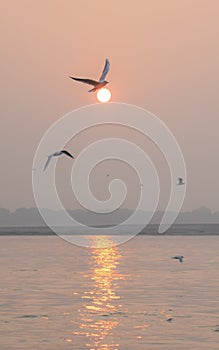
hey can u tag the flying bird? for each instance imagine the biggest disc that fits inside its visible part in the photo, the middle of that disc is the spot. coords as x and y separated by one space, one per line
180 181
178 257
97 85
56 154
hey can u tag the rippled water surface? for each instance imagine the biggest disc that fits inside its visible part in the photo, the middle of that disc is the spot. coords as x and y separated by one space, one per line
55 295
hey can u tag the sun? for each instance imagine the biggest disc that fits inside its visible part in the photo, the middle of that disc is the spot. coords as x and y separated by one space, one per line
104 95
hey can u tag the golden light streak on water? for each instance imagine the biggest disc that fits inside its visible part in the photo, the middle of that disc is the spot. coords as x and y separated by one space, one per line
99 318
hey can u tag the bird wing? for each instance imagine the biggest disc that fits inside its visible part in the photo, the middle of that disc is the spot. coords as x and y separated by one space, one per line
180 259
180 179
55 154
105 70
47 162
87 81
67 153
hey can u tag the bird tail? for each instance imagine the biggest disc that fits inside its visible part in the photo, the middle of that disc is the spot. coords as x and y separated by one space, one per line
92 90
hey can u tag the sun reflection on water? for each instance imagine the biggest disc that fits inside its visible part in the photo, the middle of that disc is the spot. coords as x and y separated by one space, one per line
101 306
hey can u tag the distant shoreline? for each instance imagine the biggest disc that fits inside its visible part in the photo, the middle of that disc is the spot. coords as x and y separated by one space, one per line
150 230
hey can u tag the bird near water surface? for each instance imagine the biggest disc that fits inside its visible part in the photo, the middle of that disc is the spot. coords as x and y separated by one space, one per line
178 257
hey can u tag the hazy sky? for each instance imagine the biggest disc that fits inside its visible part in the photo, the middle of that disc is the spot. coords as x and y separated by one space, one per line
164 57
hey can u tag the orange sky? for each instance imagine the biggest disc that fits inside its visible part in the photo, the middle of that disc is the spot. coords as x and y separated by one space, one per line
164 57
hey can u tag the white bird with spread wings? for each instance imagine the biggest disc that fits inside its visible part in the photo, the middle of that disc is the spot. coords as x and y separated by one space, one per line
56 154
97 85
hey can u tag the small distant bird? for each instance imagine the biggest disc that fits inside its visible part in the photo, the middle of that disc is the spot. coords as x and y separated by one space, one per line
169 319
97 85
178 257
56 154
180 181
